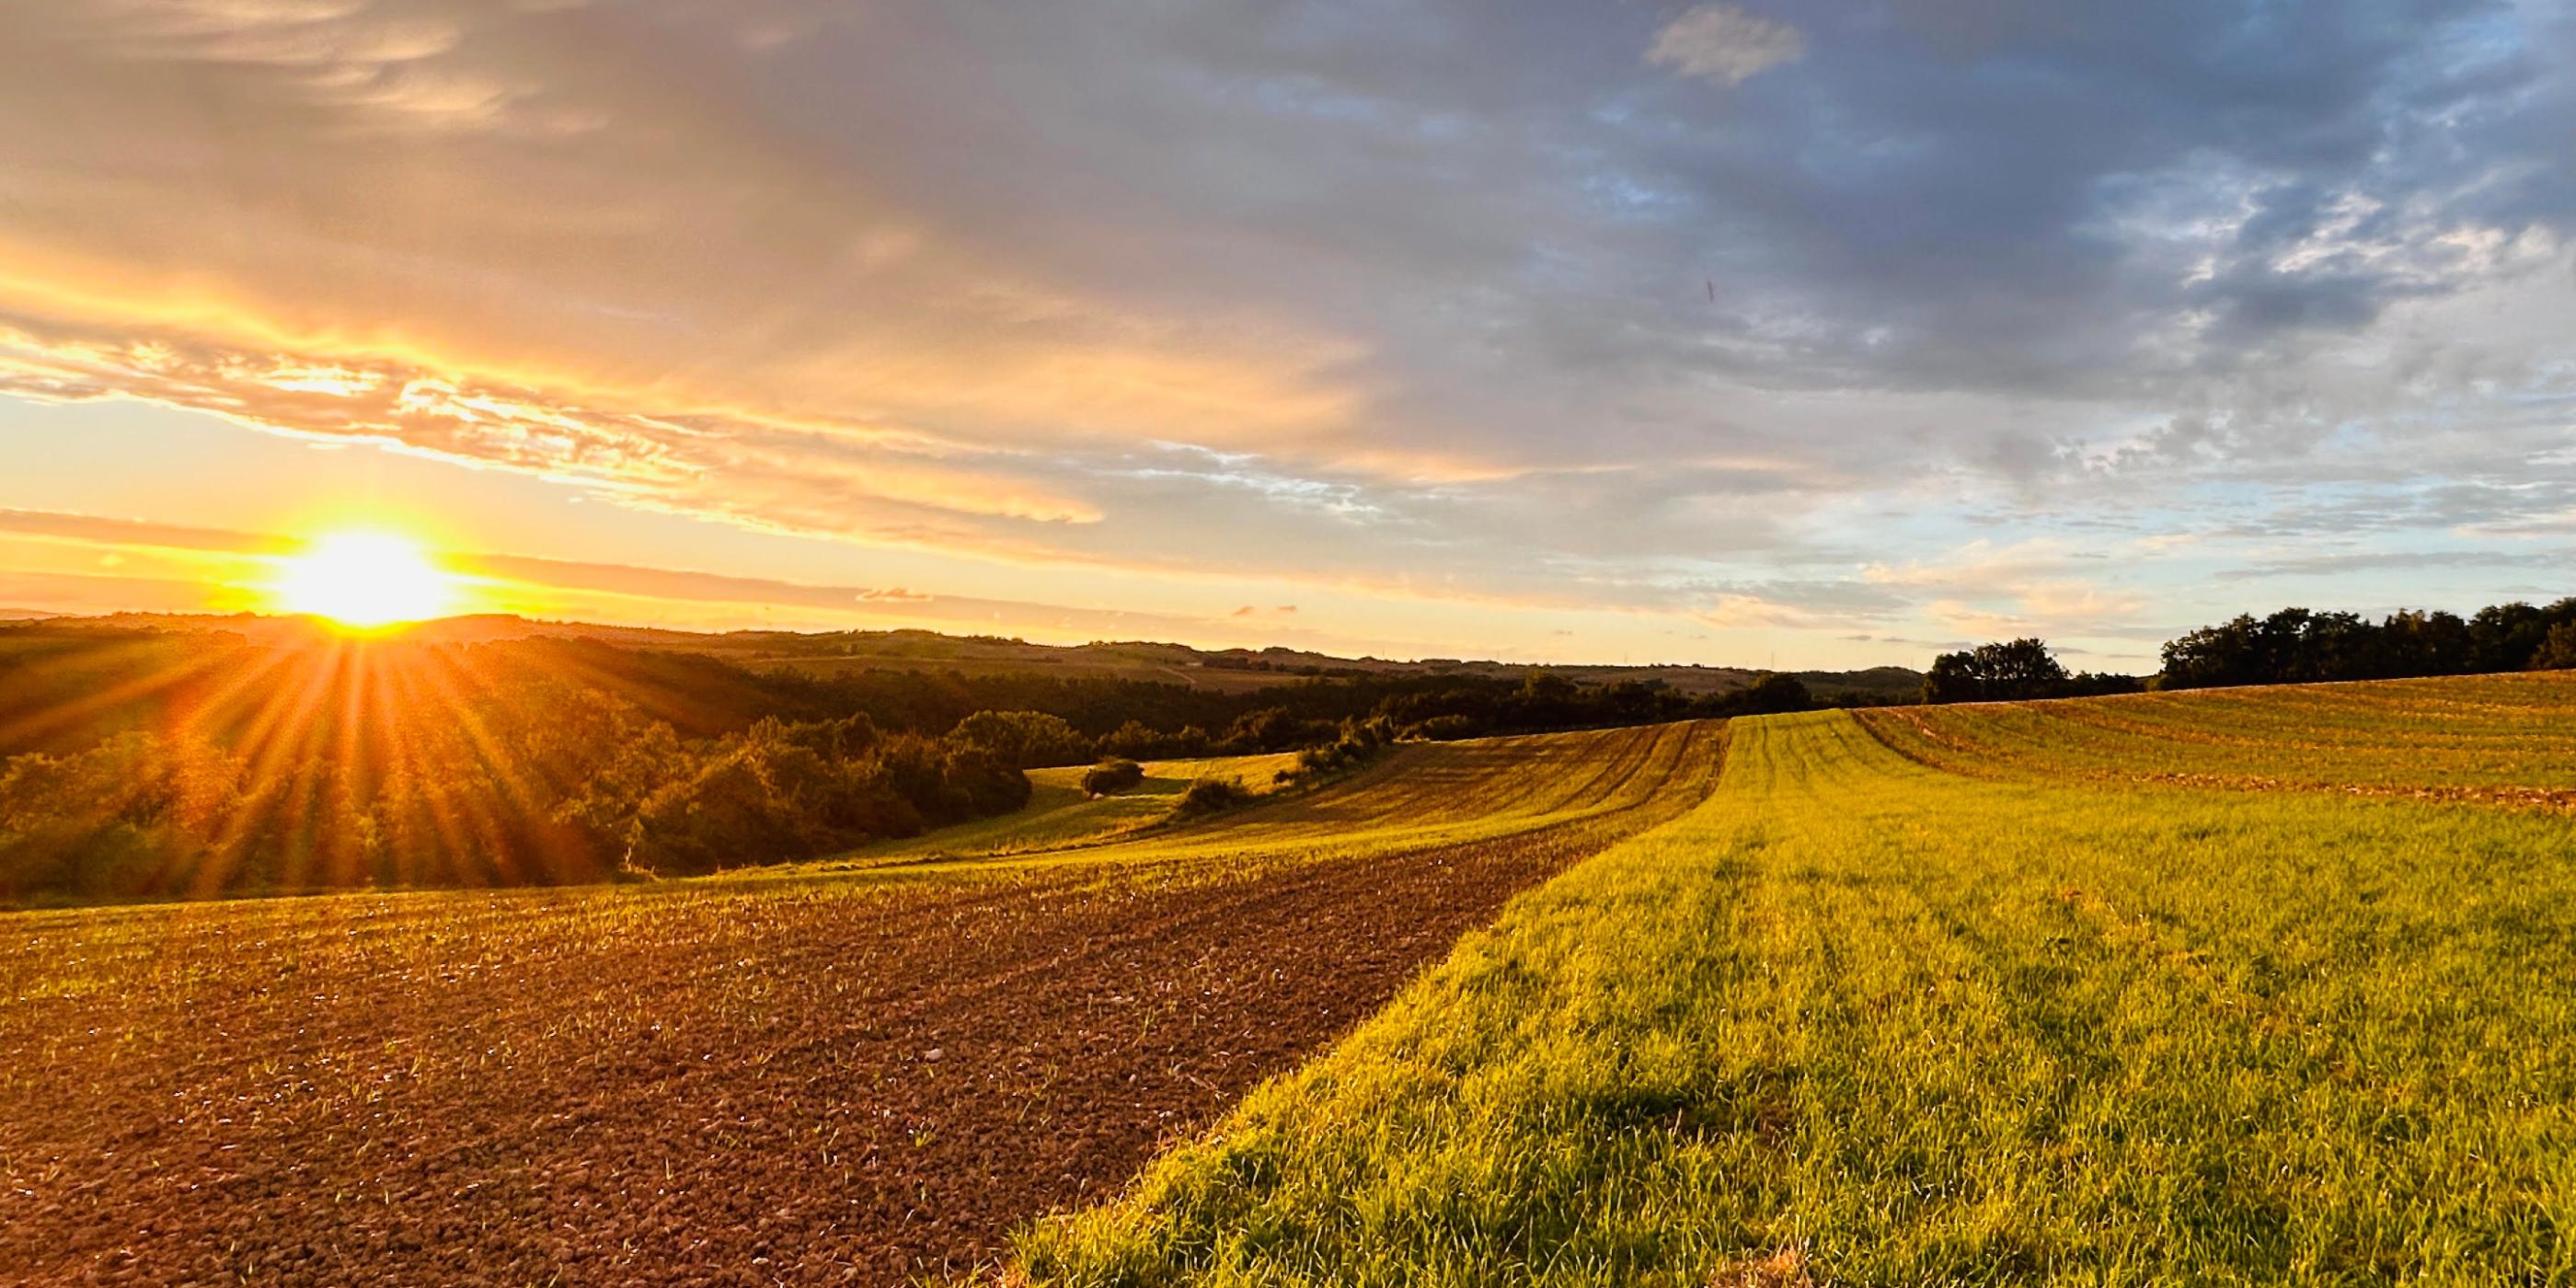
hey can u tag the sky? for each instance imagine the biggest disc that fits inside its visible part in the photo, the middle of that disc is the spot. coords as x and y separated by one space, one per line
1762 334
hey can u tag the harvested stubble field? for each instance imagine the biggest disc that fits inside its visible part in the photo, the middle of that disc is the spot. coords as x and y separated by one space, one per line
2505 739
817 1076
1997 994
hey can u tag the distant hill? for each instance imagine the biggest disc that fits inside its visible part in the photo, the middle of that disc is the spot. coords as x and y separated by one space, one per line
829 653
1231 670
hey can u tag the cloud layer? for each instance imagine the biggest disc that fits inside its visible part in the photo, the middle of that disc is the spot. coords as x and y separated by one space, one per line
1760 314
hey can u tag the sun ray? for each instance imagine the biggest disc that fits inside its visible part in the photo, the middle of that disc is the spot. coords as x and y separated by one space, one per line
44 722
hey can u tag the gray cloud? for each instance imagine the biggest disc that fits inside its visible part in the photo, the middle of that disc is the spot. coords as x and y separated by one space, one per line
2400 560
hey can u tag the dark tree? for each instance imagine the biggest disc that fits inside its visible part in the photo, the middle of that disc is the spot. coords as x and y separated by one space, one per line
2558 651
1775 694
1023 739
2215 655
1136 740
2010 671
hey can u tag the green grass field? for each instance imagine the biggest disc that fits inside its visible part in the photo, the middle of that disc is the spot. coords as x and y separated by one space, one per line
2013 993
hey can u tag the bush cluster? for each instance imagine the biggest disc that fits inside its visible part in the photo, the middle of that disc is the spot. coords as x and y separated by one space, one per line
1358 743
1210 796
1112 776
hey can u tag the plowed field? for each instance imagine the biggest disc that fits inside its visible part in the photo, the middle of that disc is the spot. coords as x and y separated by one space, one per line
806 1078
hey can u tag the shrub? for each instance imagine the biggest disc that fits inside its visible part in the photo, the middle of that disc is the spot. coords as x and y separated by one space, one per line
1112 776
1210 796
1448 728
1348 752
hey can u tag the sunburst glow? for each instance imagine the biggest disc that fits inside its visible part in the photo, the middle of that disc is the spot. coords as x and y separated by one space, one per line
366 580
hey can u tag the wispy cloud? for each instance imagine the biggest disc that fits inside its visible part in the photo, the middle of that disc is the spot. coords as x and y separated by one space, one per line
1724 43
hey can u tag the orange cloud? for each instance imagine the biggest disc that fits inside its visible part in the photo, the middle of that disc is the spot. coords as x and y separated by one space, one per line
714 466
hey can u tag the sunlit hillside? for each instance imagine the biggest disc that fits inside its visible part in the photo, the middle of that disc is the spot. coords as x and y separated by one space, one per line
2236 987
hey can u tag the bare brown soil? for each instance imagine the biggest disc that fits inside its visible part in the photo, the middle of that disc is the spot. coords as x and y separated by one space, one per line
827 1087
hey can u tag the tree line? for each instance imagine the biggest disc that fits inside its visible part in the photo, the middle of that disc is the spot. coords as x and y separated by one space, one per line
2296 646
2291 646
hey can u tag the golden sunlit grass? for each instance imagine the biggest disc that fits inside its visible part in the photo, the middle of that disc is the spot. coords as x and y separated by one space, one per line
1950 995
366 580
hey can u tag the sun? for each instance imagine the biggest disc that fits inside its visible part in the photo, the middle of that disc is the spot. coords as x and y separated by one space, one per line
365 580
